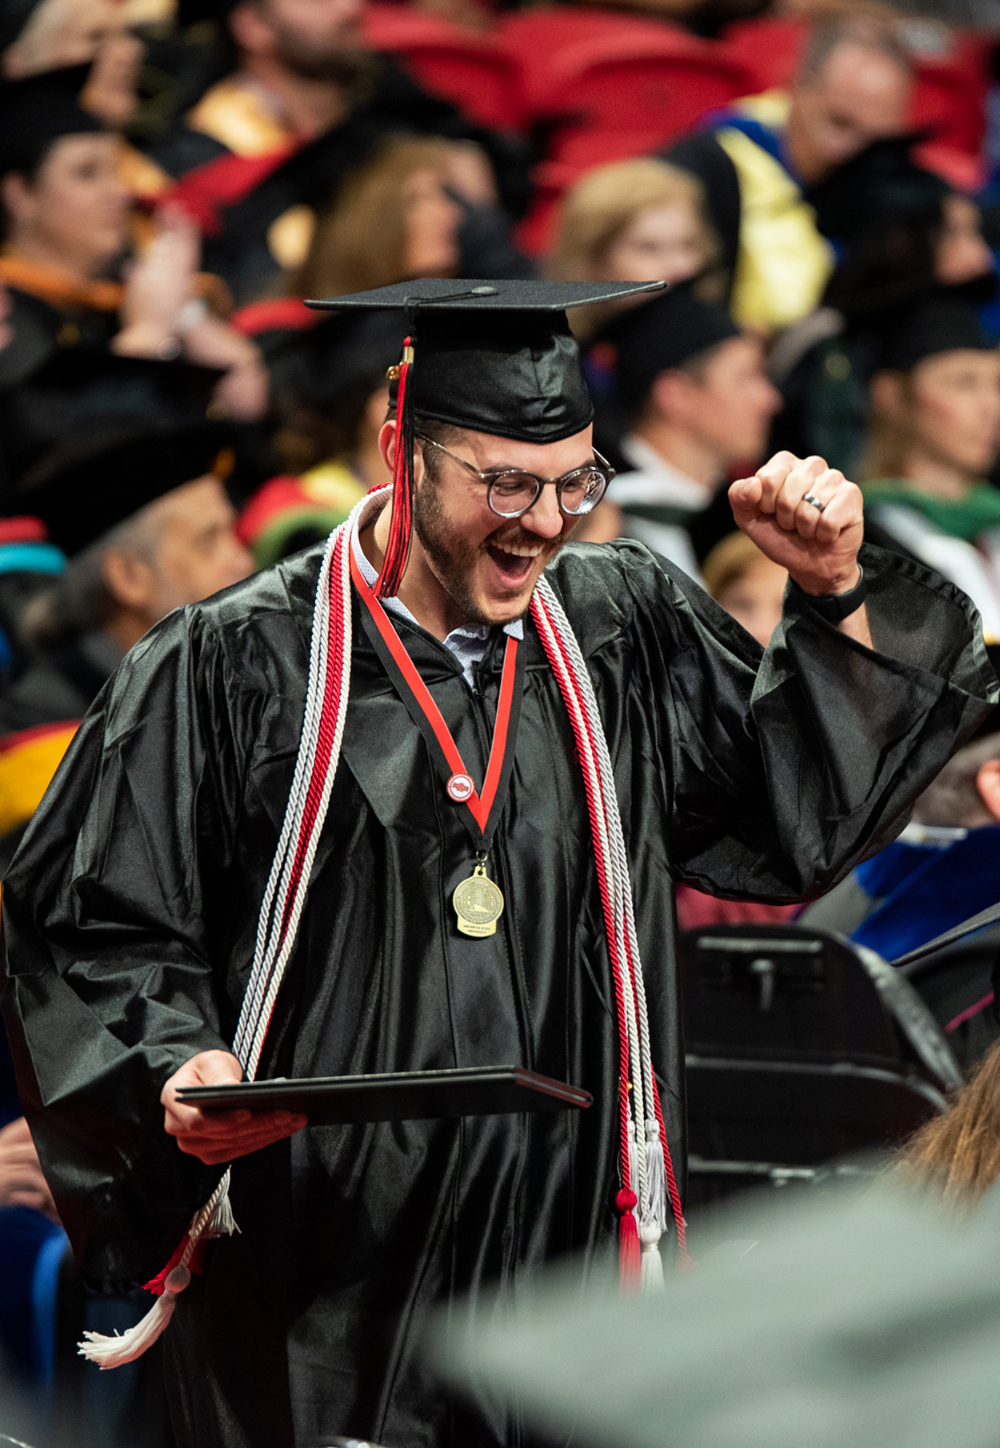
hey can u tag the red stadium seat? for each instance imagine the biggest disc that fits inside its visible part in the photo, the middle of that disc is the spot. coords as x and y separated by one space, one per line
612 96
768 48
470 68
535 37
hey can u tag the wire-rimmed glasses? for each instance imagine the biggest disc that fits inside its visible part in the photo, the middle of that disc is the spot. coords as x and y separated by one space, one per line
512 491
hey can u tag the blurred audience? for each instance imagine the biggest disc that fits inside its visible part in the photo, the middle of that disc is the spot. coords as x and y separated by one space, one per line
304 104
634 221
66 222
759 160
934 436
144 520
331 398
905 234
696 401
747 584
393 218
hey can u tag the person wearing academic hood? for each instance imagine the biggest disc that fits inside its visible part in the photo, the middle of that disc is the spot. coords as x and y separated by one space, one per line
933 439
414 800
65 263
694 401
142 517
304 102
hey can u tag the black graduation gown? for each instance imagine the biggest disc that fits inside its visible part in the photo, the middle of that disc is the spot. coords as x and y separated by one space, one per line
131 908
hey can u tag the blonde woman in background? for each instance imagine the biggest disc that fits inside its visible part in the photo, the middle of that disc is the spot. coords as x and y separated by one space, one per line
634 221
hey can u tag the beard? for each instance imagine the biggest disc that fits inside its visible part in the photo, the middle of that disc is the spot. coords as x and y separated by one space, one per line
453 558
344 61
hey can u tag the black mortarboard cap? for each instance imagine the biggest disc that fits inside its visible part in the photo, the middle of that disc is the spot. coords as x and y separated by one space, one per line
494 356
938 324
94 481
660 334
75 388
195 12
38 111
880 183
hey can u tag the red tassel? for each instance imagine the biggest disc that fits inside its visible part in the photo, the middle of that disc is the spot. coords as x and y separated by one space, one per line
398 546
629 1250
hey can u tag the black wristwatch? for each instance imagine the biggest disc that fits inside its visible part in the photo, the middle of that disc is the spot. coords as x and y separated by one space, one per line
834 607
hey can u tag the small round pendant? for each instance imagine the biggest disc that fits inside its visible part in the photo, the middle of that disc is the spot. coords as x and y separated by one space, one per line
460 788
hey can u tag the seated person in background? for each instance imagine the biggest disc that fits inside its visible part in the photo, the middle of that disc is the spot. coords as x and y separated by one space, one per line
750 587
934 436
634 221
305 103
144 520
46 35
758 160
393 218
904 235
697 401
66 220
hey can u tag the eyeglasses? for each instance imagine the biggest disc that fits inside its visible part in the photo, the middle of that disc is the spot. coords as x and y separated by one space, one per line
512 491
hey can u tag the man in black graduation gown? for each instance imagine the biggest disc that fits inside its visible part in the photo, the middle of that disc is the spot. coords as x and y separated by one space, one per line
131 910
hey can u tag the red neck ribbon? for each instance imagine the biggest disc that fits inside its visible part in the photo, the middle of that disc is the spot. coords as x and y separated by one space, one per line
425 712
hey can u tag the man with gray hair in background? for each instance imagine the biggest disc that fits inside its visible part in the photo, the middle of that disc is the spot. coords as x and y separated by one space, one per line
760 160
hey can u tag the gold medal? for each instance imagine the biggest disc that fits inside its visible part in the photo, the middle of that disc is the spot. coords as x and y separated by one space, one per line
478 903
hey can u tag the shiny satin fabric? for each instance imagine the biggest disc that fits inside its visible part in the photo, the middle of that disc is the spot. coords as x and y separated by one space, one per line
131 908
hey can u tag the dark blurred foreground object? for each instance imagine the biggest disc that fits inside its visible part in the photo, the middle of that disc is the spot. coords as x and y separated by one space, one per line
848 1320
801 1049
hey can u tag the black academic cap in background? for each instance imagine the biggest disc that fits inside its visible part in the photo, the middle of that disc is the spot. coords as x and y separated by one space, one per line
94 481
342 354
195 12
75 388
38 111
882 182
14 16
941 323
666 332
494 356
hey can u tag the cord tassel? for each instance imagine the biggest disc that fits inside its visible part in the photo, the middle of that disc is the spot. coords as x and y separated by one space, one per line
400 520
628 1240
651 1268
112 1351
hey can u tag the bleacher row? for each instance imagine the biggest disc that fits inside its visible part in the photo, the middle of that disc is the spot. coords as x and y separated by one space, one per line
595 85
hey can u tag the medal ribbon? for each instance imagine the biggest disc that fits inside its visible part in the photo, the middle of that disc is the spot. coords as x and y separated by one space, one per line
483 807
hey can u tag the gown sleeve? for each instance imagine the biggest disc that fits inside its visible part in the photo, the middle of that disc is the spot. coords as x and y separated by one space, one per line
109 913
782 769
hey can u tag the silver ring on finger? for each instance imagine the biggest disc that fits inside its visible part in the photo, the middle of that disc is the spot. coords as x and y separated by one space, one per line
816 503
